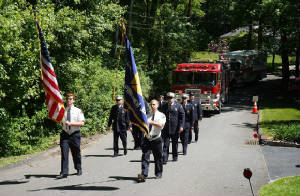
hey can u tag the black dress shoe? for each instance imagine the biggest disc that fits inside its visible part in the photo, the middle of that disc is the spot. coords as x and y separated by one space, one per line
175 159
79 172
158 176
61 176
165 162
125 152
142 178
115 155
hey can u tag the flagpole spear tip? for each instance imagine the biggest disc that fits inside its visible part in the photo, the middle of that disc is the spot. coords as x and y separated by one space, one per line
122 21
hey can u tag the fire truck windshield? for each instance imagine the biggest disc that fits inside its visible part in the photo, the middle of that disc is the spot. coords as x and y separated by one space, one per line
194 78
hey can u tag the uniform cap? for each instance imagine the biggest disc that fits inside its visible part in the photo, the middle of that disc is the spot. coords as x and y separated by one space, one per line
119 97
185 96
170 95
191 94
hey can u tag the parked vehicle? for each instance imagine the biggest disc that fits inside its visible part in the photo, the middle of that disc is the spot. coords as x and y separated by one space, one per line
209 82
245 65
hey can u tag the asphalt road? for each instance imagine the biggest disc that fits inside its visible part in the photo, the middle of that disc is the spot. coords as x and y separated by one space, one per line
213 166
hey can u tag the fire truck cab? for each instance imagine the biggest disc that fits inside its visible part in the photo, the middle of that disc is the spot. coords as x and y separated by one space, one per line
209 82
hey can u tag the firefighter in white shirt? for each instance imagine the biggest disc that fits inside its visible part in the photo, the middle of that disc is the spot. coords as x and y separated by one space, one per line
156 122
70 137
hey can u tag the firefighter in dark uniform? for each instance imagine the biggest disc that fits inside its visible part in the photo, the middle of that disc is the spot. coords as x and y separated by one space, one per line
119 118
174 124
189 122
198 116
137 134
161 102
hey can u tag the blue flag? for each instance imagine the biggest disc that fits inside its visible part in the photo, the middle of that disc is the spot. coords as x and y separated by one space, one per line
134 101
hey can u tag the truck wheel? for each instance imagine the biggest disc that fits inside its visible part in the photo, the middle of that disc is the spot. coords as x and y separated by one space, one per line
219 108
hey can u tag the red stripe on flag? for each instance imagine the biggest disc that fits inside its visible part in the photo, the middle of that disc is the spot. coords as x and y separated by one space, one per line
53 108
48 69
53 84
52 94
61 114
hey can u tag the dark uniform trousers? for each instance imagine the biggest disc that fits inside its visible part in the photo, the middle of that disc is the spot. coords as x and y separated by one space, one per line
123 136
73 142
156 147
198 113
184 136
189 120
166 140
119 118
196 130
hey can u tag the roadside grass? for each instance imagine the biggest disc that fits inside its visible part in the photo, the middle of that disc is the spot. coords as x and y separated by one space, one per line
288 186
204 56
280 116
46 143
277 62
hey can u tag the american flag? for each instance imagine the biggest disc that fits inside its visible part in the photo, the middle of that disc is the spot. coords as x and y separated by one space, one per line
54 100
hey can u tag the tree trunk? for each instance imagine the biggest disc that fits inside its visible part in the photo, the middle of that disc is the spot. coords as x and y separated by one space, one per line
260 34
297 60
285 61
150 21
249 38
130 18
189 10
273 61
115 38
273 50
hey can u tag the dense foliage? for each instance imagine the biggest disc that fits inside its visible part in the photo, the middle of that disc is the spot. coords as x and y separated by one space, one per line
84 40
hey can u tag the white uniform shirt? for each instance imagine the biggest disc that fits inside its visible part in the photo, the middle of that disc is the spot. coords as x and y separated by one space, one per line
76 116
155 131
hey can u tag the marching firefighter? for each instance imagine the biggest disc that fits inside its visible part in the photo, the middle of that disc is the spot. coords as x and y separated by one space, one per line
174 124
189 122
197 116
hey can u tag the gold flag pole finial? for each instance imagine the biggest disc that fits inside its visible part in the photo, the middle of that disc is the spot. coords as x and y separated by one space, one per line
122 21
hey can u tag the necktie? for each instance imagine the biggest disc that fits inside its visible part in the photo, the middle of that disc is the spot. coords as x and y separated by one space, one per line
150 127
69 116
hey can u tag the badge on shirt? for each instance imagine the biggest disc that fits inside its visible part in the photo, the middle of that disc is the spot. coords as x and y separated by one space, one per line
188 111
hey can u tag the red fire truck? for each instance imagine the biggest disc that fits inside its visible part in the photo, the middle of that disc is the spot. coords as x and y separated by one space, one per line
208 81
245 66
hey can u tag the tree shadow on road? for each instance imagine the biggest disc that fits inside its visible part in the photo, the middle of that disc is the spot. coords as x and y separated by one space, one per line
9 182
135 179
246 125
79 187
40 176
138 161
119 149
99 155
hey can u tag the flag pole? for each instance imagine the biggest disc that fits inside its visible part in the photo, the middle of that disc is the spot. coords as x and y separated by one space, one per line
122 21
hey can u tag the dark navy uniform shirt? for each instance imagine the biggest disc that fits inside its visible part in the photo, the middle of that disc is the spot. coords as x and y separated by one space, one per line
189 115
119 118
197 108
175 117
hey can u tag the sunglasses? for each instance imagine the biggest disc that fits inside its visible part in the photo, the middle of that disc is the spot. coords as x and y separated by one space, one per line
70 98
